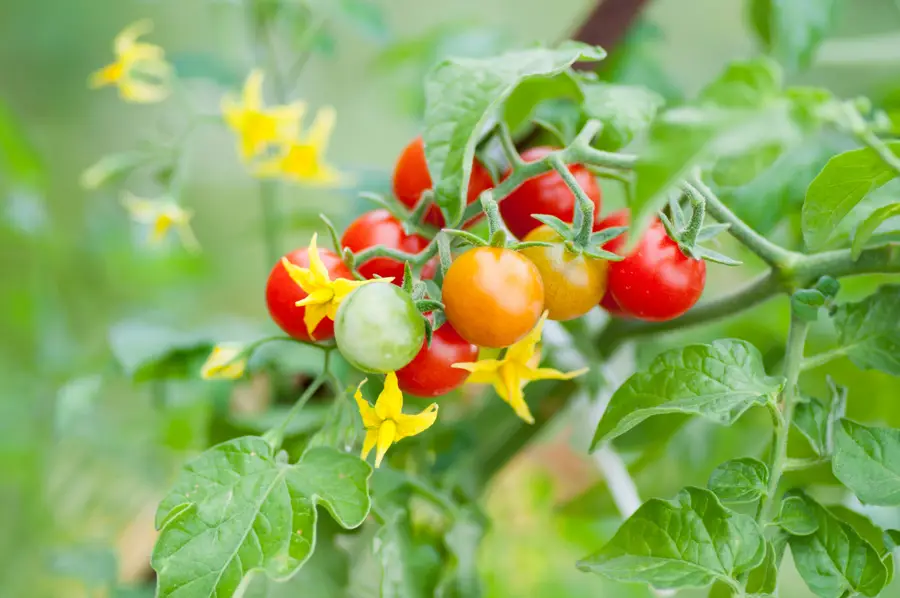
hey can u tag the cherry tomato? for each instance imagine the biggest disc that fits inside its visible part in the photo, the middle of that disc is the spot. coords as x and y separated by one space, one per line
429 373
378 328
379 227
411 178
617 218
657 281
573 283
545 194
493 297
282 293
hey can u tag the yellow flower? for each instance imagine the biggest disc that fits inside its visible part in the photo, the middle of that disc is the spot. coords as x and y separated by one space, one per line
256 125
386 423
224 363
161 215
517 368
140 70
301 158
324 295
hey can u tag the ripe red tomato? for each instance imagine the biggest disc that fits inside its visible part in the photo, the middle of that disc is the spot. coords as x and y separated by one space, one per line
411 178
493 297
545 194
617 218
379 227
282 293
429 373
657 281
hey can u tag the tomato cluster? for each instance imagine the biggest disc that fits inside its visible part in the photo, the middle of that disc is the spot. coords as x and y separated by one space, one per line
492 296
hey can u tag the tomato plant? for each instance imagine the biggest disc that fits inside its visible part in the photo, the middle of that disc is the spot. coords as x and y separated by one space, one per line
411 179
773 429
545 194
573 283
431 372
492 296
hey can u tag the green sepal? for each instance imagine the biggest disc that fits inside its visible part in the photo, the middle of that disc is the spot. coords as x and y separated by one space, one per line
426 305
561 228
703 253
711 231
602 254
466 237
602 237
332 232
527 244
408 280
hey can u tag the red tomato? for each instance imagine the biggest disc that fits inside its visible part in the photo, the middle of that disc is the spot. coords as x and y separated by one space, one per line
411 178
545 194
657 281
429 373
378 227
617 218
282 293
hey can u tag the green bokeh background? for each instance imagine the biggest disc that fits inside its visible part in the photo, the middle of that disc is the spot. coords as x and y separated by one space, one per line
86 455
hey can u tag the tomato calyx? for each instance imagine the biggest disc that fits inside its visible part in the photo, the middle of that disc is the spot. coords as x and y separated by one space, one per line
687 229
432 310
572 239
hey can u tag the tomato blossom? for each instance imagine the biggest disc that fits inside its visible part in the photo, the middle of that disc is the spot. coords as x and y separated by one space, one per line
225 362
517 368
140 71
161 215
301 156
385 423
256 125
324 295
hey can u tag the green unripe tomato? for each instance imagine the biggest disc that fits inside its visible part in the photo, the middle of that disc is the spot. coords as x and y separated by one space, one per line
378 328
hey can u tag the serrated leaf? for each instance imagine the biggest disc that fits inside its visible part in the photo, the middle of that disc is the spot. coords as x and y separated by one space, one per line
740 480
869 330
869 532
867 461
796 517
864 231
835 561
792 29
719 382
625 111
460 96
844 181
236 509
691 541
811 419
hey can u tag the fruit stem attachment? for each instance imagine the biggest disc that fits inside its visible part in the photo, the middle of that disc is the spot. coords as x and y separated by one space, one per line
496 232
698 204
425 201
583 217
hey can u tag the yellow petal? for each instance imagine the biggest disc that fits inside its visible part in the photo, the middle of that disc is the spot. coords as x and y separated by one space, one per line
320 131
127 38
522 351
288 118
142 210
551 374
321 296
106 76
483 372
410 425
390 402
142 93
369 418
316 265
509 387
369 443
314 314
252 95
160 227
386 435
343 287
224 363
302 276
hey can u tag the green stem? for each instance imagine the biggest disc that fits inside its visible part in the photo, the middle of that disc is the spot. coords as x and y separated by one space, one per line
800 464
792 362
275 436
820 359
583 218
501 131
698 203
769 252
415 259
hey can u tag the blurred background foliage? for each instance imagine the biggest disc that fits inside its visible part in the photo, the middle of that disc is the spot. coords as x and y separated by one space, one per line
86 454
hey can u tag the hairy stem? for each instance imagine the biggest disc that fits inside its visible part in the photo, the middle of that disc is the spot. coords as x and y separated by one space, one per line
820 359
275 436
778 459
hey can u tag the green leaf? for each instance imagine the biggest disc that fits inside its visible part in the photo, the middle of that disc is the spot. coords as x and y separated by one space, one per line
461 96
237 508
734 171
520 106
867 461
844 181
763 580
869 330
740 480
181 363
865 230
796 517
20 162
366 15
719 381
792 29
407 566
869 532
835 561
689 542
811 420
625 111
745 84
892 539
